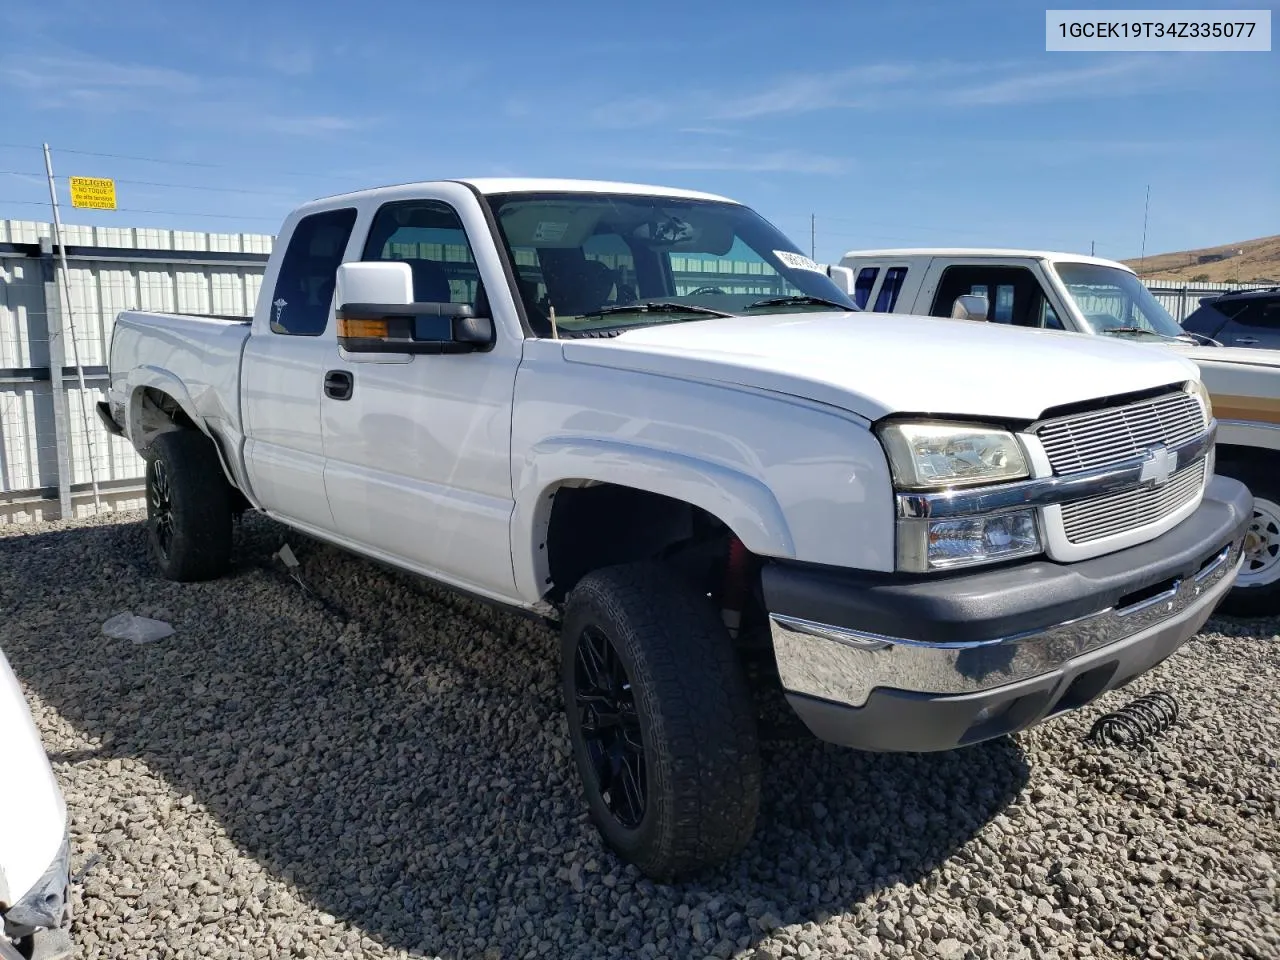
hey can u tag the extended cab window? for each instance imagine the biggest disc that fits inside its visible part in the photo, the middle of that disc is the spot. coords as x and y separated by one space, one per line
427 235
887 298
862 286
303 297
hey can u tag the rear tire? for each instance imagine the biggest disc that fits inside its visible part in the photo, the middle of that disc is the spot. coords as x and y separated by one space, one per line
661 720
189 507
1257 589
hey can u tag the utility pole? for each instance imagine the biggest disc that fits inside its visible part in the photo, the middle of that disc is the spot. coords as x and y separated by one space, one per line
1091 248
1146 208
64 309
813 236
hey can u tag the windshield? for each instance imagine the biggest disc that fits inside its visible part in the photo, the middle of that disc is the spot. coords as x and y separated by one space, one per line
1116 302
615 261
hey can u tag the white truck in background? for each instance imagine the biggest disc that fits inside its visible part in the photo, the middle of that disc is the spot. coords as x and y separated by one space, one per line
645 416
1073 293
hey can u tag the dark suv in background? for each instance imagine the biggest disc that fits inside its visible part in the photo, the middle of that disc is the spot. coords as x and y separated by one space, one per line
1244 318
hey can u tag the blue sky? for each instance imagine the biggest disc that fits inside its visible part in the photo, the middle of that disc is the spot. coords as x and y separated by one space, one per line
921 122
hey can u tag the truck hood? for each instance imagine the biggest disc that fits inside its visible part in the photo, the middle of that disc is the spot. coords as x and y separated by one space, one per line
879 364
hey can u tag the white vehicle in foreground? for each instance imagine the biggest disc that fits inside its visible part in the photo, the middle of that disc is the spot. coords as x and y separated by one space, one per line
1073 293
642 414
34 842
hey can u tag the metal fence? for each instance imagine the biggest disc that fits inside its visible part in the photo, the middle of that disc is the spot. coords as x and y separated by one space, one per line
53 450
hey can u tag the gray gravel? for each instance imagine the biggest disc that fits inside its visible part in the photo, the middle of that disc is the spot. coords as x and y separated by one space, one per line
279 780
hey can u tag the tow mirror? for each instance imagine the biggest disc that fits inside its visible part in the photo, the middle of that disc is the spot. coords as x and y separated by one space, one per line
377 314
969 306
842 277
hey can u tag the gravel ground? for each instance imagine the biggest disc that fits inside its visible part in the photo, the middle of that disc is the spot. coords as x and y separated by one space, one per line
283 779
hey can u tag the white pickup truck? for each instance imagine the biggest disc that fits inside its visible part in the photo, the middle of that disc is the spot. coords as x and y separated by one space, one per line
645 416
1073 293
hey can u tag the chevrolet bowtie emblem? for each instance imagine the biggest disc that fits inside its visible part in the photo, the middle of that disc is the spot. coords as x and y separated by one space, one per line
1158 466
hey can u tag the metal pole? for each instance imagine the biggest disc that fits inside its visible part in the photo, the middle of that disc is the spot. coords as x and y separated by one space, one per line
64 307
813 236
1146 207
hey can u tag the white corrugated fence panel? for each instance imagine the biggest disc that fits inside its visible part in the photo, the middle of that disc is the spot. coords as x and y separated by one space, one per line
23 339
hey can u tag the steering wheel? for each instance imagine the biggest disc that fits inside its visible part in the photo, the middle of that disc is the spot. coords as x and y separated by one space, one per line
701 290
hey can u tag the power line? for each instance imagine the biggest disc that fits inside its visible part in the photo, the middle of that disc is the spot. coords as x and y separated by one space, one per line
153 183
180 163
164 213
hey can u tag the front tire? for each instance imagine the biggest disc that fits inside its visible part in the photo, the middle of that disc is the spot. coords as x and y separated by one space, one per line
1257 589
189 506
661 720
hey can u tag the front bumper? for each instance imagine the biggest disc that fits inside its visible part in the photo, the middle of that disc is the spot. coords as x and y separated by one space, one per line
41 917
915 663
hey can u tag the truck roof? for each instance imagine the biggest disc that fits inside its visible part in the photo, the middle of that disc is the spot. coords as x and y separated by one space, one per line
995 252
491 185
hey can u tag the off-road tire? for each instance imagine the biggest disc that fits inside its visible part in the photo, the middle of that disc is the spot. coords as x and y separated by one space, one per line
1246 598
184 481
695 715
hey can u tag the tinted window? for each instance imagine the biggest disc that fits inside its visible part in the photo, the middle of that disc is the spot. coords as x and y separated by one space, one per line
427 235
862 286
1261 314
303 297
889 290
1206 320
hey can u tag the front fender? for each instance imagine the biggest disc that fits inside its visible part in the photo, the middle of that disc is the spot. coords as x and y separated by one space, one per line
741 502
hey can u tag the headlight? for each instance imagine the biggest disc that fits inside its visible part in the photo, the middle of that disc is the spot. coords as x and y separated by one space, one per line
1197 389
931 455
925 545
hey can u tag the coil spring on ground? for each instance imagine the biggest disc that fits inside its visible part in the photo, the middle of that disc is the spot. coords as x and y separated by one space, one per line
1137 721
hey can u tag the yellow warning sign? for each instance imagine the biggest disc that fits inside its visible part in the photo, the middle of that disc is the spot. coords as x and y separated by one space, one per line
97 193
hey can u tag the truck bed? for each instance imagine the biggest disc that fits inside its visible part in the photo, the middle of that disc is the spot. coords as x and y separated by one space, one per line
194 358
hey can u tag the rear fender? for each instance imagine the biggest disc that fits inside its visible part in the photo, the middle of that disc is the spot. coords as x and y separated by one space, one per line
144 421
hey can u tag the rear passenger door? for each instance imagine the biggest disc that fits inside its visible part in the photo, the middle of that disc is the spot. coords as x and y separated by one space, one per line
282 372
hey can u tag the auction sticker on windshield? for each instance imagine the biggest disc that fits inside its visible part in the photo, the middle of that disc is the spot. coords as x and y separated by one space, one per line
798 261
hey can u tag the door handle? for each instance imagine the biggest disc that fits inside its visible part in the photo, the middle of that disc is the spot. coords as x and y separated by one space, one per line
338 384
1247 340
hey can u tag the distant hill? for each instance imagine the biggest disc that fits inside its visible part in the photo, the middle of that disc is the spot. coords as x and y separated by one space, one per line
1251 261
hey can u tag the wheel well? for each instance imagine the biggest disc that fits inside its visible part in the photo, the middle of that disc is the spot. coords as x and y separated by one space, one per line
158 412
600 524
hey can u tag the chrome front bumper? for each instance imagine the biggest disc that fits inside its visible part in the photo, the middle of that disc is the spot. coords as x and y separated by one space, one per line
844 665
918 663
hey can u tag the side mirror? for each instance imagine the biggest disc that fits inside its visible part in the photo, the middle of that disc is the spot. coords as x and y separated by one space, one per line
969 306
842 277
377 314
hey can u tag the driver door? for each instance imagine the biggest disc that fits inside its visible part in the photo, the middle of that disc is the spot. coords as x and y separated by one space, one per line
417 447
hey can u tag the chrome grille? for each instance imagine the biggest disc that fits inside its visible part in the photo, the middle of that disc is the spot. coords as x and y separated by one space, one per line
1105 437
1098 517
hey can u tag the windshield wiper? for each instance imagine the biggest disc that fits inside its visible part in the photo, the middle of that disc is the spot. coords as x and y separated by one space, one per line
802 298
654 306
1184 337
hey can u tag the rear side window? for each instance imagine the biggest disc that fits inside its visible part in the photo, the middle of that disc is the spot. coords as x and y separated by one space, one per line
303 297
862 286
1260 313
1205 320
889 290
